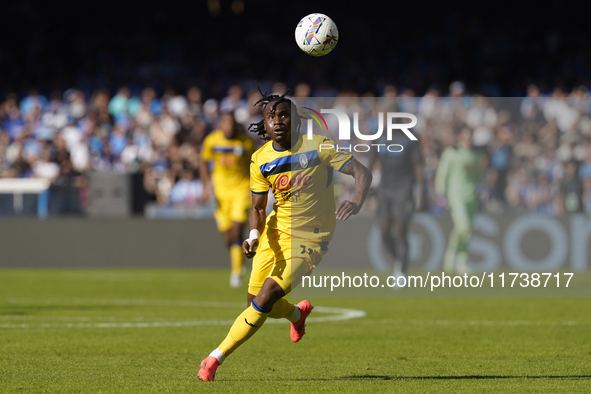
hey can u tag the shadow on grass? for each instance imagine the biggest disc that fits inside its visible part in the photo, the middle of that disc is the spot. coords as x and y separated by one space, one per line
460 377
443 377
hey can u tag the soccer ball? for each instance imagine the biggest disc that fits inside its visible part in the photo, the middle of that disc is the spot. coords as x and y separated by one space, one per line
316 34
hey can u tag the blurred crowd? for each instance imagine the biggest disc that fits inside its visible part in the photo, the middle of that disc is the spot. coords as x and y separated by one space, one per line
538 147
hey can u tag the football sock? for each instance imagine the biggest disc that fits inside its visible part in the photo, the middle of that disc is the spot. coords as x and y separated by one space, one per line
217 353
236 258
449 261
282 309
461 260
244 327
295 316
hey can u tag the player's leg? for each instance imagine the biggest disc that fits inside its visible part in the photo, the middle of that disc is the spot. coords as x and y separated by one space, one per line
253 317
402 214
244 327
238 213
384 215
400 229
465 234
265 292
457 248
282 309
224 223
233 238
288 273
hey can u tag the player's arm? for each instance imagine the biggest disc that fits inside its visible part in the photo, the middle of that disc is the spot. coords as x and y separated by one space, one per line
418 172
205 175
363 179
259 187
441 173
417 163
256 223
205 156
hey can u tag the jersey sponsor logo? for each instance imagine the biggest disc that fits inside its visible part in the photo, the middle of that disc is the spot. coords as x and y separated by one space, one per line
285 182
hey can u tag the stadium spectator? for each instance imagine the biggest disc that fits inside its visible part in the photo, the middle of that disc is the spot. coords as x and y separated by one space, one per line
187 191
529 145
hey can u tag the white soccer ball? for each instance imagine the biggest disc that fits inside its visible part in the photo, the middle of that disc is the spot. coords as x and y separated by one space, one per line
316 34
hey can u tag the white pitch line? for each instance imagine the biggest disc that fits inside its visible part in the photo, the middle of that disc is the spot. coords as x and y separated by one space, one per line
479 322
336 314
116 301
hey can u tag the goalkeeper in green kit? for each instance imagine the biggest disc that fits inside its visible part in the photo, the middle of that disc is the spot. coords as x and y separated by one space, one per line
459 172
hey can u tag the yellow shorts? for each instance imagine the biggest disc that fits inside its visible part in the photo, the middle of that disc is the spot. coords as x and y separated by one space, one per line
285 259
232 207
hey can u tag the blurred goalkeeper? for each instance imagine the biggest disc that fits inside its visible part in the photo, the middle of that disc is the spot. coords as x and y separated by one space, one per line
229 149
292 240
459 172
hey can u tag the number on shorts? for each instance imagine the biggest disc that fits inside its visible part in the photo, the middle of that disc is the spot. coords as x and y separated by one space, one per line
304 249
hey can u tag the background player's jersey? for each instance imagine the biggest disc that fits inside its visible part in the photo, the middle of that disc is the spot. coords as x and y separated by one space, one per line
302 180
398 175
230 157
458 174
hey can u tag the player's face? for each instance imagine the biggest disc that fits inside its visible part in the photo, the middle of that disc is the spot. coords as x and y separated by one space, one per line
227 125
465 137
278 124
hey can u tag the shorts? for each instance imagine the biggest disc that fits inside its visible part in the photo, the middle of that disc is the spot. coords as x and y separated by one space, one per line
285 259
232 208
394 207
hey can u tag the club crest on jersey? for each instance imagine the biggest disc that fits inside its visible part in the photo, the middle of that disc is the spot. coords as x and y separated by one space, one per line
303 160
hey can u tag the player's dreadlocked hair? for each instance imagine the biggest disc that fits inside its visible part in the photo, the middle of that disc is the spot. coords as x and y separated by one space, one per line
259 127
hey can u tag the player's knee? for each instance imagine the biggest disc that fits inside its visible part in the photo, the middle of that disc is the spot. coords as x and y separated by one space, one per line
464 232
227 238
249 298
384 228
399 233
269 294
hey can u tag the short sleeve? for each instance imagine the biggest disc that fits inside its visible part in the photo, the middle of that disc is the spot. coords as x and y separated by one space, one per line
258 183
206 150
249 147
332 157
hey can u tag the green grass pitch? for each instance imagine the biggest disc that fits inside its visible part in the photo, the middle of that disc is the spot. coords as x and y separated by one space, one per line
137 331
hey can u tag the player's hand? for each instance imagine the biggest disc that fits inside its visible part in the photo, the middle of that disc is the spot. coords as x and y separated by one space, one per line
249 248
441 201
205 196
346 209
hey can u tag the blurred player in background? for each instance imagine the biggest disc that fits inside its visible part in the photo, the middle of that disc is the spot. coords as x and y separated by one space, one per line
401 172
570 197
458 175
230 150
292 240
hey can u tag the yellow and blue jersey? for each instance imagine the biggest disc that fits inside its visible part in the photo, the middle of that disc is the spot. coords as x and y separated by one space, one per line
230 161
302 181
